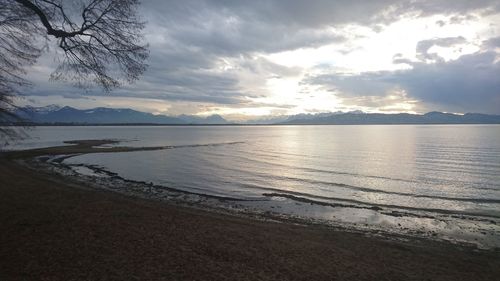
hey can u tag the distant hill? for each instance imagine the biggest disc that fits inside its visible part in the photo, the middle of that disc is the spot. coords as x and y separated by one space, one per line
101 115
355 118
54 114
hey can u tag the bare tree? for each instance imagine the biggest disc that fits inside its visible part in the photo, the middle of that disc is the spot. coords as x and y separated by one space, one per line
18 49
99 42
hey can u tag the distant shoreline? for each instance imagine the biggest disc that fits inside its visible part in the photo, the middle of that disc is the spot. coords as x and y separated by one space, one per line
54 114
220 125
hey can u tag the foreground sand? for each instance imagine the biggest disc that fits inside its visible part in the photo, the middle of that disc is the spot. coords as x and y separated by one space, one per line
51 229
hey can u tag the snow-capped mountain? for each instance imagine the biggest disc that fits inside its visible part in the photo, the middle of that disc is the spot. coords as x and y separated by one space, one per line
54 114
104 115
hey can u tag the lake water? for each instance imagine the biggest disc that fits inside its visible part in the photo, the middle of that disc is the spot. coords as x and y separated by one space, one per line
443 180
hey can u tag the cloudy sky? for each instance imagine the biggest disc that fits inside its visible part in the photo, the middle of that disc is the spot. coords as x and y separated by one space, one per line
243 59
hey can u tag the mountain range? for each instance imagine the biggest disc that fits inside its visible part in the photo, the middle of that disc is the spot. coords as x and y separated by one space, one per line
101 115
355 118
54 114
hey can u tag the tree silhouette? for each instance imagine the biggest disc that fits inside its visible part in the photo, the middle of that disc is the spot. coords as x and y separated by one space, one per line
99 43
18 49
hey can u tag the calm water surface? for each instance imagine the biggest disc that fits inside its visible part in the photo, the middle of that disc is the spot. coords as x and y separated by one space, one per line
430 178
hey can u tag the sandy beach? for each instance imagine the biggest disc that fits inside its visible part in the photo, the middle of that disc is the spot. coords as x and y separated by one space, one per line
53 228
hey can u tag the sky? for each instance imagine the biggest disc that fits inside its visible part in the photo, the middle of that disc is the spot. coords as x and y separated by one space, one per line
261 58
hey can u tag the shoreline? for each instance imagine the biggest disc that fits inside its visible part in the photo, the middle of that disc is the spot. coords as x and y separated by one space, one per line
97 178
28 196
396 222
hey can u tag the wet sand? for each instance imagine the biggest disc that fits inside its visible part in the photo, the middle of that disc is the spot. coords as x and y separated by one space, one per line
53 228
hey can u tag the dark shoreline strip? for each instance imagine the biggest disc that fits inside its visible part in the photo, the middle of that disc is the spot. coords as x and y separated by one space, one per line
162 187
94 146
373 190
378 207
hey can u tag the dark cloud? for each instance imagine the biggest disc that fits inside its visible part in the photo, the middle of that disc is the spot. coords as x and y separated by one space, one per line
460 7
441 23
232 28
228 27
469 83
298 14
424 46
364 84
492 43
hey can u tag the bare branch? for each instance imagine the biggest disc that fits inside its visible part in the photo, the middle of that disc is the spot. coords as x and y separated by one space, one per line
101 43
106 48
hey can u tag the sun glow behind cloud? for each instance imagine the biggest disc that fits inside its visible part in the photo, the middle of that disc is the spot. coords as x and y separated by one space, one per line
368 50
242 61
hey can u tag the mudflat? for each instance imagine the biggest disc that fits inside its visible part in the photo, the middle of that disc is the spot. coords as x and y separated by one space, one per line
52 228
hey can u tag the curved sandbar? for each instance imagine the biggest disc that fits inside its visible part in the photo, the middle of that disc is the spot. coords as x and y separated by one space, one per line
79 147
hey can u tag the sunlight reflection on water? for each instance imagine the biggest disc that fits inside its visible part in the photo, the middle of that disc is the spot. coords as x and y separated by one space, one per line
438 170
